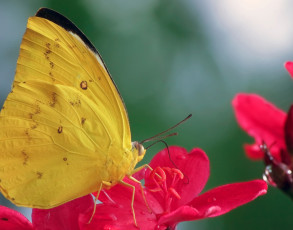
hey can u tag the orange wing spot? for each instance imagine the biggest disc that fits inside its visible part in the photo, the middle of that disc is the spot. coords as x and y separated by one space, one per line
99 78
38 109
83 120
53 101
47 52
26 132
51 64
25 157
39 175
38 101
52 76
60 129
34 126
83 85
48 45
65 158
56 44
77 102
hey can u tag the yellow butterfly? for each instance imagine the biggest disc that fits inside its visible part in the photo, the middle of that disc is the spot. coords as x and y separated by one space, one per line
64 129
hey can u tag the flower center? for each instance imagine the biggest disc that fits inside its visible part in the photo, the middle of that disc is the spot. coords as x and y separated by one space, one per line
165 179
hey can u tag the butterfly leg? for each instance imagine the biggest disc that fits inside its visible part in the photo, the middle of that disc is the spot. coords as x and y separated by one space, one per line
96 198
132 201
135 180
142 193
141 167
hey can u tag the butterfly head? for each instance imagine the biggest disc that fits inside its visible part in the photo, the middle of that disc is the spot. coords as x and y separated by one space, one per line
139 149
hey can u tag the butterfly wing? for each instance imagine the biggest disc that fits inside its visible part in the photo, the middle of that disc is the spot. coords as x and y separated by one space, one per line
61 119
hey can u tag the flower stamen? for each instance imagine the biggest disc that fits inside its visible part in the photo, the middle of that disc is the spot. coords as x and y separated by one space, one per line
166 183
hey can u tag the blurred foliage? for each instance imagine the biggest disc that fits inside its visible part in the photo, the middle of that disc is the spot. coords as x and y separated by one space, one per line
167 63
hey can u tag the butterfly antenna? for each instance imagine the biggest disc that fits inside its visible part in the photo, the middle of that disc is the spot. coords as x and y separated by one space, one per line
161 138
165 143
167 130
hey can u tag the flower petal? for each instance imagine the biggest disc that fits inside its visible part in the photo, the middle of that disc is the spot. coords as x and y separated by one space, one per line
195 167
115 212
289 67
13 220
183 213
222 199
120 195
261 120
289 130
64 216
253 151
113 217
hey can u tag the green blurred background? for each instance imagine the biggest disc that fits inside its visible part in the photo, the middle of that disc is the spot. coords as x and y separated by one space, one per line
171 58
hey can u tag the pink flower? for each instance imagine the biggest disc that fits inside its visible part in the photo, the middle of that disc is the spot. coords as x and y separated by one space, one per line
173 196
62 217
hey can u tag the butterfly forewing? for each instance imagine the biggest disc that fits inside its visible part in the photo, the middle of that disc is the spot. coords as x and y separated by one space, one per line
59 121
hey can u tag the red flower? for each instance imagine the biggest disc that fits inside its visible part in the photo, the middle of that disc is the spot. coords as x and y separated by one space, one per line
62 217
13 220
289 67
272 130
265 122
261 120
173 196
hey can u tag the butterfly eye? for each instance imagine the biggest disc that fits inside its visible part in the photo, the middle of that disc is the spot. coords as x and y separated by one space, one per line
139 147
141 150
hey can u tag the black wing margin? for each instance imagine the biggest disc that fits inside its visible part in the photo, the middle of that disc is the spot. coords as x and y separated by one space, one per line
65 23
